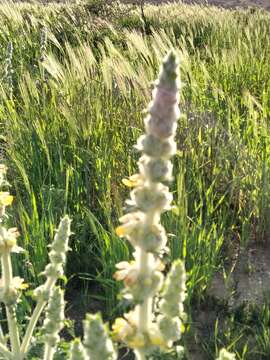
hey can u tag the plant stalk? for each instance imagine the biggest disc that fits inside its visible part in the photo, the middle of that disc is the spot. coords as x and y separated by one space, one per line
34 318
48 352
140 355
4 351
145 308
11 314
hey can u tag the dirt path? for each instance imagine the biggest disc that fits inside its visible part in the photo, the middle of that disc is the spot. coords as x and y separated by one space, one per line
224 3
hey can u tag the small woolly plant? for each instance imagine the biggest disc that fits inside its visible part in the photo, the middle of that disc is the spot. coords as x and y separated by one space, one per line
11 287
97 343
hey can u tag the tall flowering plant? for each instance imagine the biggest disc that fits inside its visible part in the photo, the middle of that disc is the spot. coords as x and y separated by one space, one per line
152 324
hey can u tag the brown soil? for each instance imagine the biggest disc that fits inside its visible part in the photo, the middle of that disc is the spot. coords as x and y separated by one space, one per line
248 279
223 3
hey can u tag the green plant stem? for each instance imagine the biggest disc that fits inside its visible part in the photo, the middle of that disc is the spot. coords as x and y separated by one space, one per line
34 318
11 314
48 352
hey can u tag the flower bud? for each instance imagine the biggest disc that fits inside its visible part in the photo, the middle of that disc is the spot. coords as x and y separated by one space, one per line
59 247
163 109
77 351
60 243
96 340
174 291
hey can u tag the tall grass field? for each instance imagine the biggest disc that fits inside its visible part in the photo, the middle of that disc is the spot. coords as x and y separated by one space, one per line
74 80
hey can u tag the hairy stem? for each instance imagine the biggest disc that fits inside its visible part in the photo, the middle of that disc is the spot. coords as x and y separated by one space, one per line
34 318
11 314
146 307
140 355
4 351
48 352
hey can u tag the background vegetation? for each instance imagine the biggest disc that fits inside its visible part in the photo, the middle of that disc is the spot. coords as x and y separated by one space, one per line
74 81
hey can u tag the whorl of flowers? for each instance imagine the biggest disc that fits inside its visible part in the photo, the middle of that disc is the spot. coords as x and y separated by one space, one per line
97 344
141 225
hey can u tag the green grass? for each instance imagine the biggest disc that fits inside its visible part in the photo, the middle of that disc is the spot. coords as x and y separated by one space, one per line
69 123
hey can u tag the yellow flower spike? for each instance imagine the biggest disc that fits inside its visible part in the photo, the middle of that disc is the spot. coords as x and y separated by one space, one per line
5 198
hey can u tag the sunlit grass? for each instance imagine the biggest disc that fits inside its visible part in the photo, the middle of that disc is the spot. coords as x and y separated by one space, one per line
69 125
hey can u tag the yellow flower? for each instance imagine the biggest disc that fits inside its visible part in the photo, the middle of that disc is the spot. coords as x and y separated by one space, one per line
157 339
122 329
136 341
9 293
17 283
5 198
132 181
8 240
129 222
121 231
128 272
